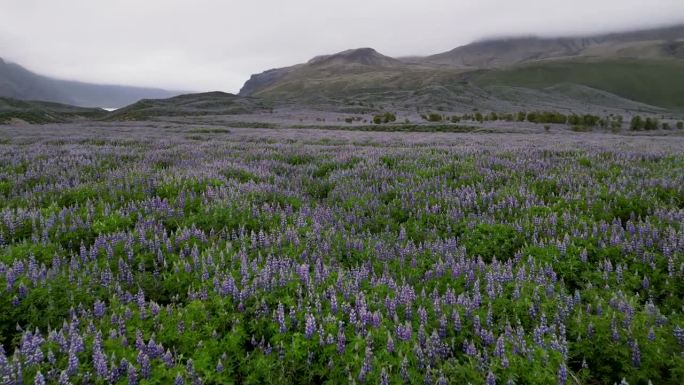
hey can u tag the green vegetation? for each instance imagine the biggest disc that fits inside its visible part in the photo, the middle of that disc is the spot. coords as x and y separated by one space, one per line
585 122
655 82
433 117
387 117
44 112
201 104
638 123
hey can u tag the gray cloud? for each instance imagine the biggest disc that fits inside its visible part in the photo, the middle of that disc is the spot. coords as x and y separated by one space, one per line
216 45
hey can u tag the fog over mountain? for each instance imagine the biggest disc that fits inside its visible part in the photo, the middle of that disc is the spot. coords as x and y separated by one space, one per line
217 45
18 83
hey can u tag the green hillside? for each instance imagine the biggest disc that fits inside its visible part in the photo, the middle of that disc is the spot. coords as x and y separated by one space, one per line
208 103
655 82
44 112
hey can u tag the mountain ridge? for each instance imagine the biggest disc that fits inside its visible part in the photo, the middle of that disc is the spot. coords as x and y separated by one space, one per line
515 50
365 74
17 82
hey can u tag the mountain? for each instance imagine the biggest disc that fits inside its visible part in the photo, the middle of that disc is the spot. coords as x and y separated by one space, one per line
663 43
322 70
342 78
44 112
19 83
208 103
641 70
355 59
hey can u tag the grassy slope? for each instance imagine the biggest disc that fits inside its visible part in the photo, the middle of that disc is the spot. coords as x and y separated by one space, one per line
209 103
656 82
44 112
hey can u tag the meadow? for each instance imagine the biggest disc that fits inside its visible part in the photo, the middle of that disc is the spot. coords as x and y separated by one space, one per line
158 255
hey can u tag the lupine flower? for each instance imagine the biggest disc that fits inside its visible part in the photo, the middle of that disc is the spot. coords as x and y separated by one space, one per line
341 339
562 375
280 317
145 366
39 379
384 377
99 308
636 355
310 326
132 375
178 380
491 379
73 363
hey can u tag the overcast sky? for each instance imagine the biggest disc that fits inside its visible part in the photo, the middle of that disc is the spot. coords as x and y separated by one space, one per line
203 45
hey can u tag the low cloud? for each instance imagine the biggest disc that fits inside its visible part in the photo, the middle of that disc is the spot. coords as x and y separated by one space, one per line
216 45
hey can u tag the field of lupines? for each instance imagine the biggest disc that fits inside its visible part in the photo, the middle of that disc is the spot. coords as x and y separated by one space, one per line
204 256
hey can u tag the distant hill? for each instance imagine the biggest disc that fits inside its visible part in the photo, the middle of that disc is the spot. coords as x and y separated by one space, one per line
19 83
12 110
641 70
663 43
208 103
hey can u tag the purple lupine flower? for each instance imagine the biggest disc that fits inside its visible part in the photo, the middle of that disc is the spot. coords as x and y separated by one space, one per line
499 349
457 320
100 362
427 380
39 380
31 347
341 339
491 378
476 324
678 334
469 348
145 366
168 359
384 377
636 355
63 378
422 315
178 380
132 375
390 343
280 317
3 360
562 375
366 367
72 367
310 326
404 331
403 370
99 308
